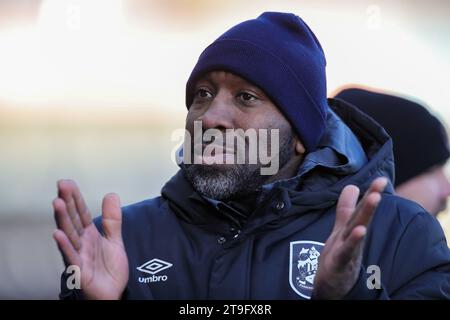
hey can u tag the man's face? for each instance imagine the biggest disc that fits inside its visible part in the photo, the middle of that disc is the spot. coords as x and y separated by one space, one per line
224 101
430 189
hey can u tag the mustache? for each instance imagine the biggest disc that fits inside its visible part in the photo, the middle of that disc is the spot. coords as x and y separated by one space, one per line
222 145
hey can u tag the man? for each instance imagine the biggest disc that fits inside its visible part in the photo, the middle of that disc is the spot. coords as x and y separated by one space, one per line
226 231
420 145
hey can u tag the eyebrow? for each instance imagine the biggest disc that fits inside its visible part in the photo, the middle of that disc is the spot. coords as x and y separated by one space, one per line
205 78
208 78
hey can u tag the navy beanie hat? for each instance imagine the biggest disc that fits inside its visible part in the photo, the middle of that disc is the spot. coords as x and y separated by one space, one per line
280 54
419 138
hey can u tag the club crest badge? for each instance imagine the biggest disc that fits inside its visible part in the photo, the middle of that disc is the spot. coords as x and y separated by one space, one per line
303 264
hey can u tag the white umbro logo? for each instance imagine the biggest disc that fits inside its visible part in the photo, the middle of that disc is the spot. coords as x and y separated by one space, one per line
154 266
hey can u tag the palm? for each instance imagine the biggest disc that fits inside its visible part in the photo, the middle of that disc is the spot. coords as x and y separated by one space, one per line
104 265
101 258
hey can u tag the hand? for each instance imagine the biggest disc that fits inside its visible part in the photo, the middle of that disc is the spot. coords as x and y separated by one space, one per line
340 260
102 259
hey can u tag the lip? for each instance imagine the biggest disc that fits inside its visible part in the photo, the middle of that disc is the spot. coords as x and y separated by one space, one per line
218 149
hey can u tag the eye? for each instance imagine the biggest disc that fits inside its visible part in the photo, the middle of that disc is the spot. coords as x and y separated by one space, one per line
203 94
247 97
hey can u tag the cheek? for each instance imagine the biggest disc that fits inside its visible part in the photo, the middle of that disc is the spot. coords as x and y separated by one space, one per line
192 115
427 189
430 194
280 123
432 186
263 120
246 121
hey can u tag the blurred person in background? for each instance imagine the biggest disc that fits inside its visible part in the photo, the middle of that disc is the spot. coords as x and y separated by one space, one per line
420 145
319 227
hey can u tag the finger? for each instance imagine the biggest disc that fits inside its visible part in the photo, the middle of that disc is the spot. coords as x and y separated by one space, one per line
70 255
351 247
377 185
83 210
65 224
65 192
363 213
112 217
346 206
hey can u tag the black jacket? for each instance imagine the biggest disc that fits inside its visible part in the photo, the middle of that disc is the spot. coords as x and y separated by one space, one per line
181 246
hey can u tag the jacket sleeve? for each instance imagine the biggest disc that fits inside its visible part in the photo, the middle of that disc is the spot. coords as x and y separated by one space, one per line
420 268
69 294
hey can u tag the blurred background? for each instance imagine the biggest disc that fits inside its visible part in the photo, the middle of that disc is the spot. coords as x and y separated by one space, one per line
93 89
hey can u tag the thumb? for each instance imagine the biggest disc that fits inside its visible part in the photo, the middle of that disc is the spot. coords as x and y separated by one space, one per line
112 217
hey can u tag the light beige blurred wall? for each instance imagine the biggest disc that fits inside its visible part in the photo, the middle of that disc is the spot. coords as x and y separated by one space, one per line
127 151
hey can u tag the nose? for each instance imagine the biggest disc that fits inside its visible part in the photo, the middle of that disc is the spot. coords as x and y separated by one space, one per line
220 113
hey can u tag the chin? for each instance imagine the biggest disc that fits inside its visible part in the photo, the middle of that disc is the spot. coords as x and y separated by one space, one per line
441 208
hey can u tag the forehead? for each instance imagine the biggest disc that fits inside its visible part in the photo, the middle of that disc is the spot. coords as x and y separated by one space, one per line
224 77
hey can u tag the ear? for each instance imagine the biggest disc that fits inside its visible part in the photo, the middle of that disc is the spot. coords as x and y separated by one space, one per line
299 147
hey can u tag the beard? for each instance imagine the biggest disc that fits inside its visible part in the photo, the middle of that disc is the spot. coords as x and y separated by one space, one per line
225 181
